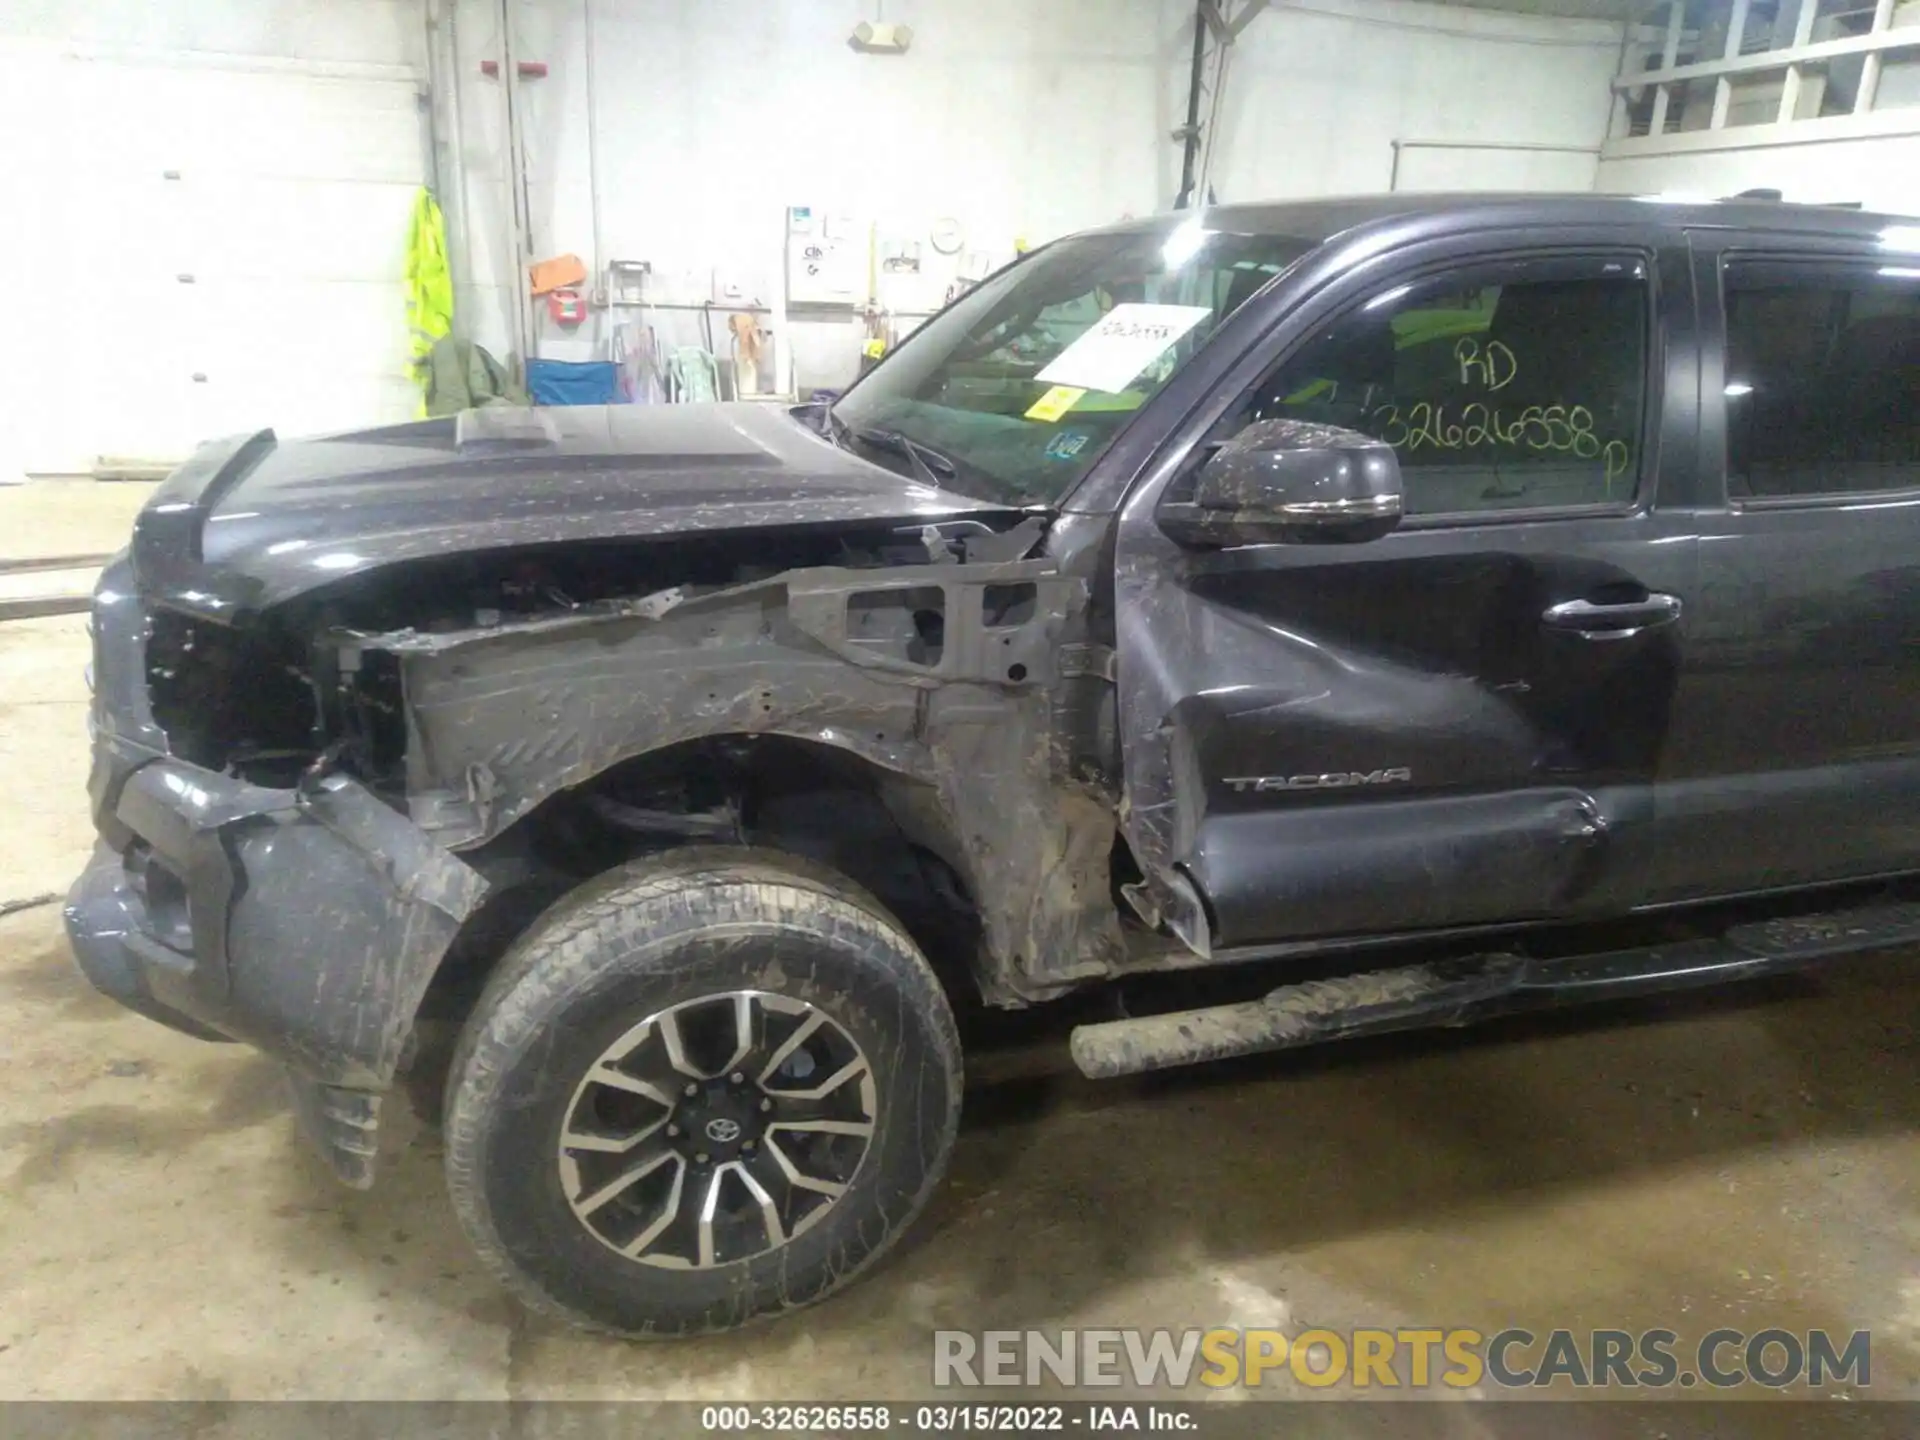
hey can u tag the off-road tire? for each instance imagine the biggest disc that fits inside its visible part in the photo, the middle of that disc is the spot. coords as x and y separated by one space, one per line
632 943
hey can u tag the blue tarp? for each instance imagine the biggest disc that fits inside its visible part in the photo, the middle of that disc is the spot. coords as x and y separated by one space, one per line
573 382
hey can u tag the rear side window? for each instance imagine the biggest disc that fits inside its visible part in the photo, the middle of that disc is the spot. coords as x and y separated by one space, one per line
1823 379
1503 387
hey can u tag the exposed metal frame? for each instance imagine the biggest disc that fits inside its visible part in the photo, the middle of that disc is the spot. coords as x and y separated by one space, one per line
1788 61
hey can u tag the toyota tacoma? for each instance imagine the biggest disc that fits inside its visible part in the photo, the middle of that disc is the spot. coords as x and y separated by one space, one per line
1379 613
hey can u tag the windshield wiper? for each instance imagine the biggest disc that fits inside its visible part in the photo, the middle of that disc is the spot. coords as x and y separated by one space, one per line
928 464
834 428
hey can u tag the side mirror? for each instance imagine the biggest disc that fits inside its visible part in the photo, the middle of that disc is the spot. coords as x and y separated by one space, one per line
1290 481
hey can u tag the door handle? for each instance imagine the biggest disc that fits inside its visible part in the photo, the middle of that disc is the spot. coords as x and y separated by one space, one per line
1623 621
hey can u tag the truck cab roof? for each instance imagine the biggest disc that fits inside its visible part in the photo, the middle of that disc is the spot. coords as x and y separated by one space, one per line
1324 219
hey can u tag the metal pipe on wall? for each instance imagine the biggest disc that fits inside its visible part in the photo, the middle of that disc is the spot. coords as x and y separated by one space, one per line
1204 183
1190 132
1196 186
429 95
447 168
519 208
593 176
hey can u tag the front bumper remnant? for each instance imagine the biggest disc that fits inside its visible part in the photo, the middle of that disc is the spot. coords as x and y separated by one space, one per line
307 923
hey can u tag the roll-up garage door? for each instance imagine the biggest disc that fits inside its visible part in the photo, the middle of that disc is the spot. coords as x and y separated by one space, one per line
212 244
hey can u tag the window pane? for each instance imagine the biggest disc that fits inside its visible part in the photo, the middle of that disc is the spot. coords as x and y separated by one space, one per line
1823 381
1899 77
1495 396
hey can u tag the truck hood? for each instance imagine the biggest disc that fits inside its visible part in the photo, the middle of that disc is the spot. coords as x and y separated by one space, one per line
249 522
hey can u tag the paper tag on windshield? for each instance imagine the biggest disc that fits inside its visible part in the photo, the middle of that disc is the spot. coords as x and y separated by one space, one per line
1055 403
1127 340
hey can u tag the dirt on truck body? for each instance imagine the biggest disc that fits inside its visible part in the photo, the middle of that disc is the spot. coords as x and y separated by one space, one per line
1220 605
544 709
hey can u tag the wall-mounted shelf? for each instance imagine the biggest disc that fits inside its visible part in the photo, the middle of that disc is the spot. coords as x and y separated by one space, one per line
695 306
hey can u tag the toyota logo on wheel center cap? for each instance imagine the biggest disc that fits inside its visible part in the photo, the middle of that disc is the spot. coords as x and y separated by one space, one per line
723 1131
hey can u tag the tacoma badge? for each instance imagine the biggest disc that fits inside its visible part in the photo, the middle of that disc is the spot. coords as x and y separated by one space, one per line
1338 780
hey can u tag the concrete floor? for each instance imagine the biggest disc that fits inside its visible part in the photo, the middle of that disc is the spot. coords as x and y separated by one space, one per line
1748 1159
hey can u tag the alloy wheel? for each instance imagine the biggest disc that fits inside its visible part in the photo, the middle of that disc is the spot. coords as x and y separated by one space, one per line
717 1130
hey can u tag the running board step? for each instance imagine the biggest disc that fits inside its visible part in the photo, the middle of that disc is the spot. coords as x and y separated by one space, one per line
1455 992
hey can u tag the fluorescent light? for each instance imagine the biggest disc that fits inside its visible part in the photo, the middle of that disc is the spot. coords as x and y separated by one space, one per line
1901 237
1899 272
1737 389
1186 241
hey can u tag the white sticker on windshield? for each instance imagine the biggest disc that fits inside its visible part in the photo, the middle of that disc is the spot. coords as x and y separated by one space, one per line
1127 340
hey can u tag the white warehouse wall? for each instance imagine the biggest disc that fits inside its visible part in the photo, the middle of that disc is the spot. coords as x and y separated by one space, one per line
367 31
1881 174
208 222
1019 121
1023 122
1318 91
708 117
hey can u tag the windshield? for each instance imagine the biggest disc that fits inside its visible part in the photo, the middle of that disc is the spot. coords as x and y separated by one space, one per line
1011 393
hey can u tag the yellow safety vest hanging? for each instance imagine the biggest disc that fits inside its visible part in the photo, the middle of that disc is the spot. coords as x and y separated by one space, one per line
429 289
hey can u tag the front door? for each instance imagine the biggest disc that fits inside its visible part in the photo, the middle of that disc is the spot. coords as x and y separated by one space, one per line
1460 723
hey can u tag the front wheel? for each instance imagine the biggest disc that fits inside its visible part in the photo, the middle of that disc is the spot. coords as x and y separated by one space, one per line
705 1088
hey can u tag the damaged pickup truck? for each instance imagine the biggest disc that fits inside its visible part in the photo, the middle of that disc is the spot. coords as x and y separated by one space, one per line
1402 609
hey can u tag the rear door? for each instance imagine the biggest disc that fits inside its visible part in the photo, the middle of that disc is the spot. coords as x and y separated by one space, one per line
1461 723
1799 757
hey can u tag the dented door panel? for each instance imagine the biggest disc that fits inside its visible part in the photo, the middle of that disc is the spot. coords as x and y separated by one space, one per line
1384 737
1326 740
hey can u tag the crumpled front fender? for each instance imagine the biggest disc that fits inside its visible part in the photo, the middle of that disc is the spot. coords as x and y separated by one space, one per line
307 923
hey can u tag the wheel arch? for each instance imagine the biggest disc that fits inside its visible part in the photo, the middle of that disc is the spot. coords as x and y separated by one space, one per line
854 808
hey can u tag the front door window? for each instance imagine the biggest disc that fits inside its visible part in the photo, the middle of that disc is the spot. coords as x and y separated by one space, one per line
1517 387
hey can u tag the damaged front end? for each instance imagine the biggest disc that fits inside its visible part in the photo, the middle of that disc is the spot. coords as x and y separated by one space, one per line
305 797
305 919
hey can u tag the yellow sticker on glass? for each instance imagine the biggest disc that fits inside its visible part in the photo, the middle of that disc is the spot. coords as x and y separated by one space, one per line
1055 403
